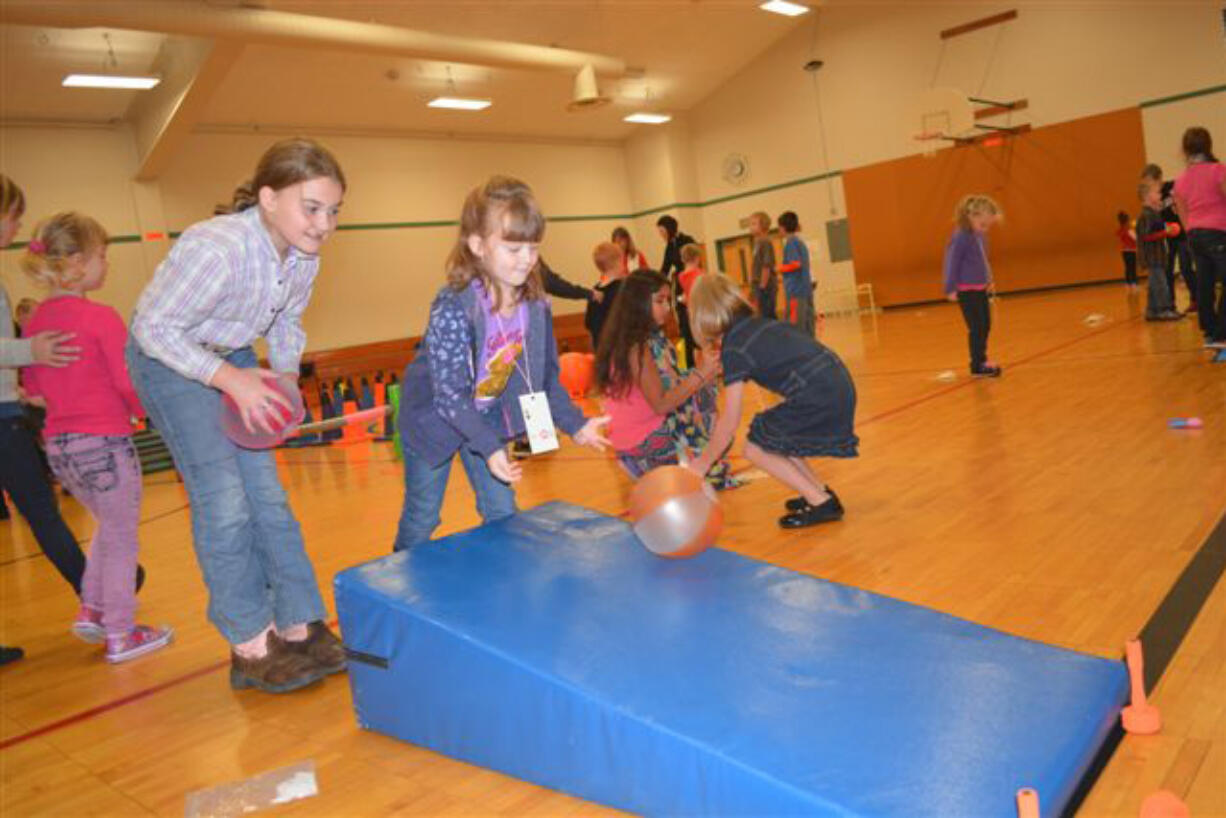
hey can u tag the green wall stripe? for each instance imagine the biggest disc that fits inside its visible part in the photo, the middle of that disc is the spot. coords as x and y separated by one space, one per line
21 245
174 234
1204 92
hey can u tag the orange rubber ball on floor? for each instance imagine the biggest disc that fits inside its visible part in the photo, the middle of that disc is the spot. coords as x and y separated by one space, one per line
675 512
575 371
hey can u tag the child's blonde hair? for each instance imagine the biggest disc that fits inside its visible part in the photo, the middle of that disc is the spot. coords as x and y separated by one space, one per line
715 301
502 205
972 204
762 219
56 239
607 257
691 252
12 200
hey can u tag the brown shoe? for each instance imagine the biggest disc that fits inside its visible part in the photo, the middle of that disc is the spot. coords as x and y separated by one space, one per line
322 647
280 671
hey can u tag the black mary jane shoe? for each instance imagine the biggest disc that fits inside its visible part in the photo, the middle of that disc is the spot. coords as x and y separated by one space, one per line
827 512
800 503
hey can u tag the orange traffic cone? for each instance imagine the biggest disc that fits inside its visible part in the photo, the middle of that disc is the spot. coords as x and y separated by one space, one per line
353 432
1027 803
1164 804
1140 717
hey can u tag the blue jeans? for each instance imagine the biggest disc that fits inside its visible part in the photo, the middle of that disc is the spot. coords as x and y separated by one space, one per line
22 476
247 541
425 485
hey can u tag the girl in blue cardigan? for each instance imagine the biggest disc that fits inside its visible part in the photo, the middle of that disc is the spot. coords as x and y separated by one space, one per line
487 368
968 276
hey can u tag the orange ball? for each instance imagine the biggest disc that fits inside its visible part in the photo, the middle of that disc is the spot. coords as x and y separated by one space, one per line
675 512
575 371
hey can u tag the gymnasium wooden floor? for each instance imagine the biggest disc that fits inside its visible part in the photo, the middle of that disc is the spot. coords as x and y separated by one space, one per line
1054 504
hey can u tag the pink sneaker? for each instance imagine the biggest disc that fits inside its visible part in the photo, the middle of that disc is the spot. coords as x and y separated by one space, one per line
88 626
137 642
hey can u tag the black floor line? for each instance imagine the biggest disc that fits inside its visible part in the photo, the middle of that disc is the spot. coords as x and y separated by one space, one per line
1162 635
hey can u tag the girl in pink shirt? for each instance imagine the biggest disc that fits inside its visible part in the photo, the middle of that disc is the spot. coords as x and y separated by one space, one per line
658 417
90 406
1200 200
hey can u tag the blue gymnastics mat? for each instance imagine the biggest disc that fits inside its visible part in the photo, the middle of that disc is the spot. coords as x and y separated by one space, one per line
553 647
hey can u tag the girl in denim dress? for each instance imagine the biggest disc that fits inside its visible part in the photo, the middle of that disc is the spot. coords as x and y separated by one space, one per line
816 417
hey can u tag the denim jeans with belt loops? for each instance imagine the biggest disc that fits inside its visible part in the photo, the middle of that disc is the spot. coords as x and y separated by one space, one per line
247 540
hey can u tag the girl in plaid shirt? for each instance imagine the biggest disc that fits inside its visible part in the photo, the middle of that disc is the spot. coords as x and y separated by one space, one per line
227 282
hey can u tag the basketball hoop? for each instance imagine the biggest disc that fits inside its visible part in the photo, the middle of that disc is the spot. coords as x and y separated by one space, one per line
939 115
929 142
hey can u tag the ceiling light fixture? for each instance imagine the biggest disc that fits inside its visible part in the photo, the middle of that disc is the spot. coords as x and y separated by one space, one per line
785 8
460 103
646 118
110 75
109 81
456 102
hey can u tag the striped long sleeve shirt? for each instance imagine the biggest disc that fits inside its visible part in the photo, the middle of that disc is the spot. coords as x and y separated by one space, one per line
222 286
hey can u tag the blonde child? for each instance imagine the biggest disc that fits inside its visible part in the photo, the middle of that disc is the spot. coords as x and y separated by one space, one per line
817 414
691 257
21 469
658 416
968 276
1152 254
88 433
488 351
226 282
610 264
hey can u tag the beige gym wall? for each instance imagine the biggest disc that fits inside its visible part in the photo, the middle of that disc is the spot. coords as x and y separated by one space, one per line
375 284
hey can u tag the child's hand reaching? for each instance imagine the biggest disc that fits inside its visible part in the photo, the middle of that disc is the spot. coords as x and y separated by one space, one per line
699 465
708 367
591 435
503 467
253 395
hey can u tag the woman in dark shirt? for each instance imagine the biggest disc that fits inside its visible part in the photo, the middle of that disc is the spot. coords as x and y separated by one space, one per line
671 268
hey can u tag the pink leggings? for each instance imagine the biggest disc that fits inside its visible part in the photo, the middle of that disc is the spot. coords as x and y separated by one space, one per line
103 472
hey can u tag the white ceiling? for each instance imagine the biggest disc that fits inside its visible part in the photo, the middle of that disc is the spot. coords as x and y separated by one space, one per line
679 51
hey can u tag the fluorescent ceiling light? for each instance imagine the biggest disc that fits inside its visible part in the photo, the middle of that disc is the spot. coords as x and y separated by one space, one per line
109 81
648 119
785 8
460 103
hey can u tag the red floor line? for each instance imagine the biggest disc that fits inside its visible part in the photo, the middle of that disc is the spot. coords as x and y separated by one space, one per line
142 694
84 715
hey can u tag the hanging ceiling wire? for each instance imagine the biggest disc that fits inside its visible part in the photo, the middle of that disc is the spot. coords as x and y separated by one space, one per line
812 68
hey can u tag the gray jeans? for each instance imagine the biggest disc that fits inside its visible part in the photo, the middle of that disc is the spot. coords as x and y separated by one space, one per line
1158 297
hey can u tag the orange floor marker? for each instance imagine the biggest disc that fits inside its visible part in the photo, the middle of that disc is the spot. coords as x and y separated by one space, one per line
1027 803
1164 804
353 432
1140 717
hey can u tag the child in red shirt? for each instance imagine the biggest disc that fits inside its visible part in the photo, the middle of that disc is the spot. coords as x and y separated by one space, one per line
88 432
691 257
1128 249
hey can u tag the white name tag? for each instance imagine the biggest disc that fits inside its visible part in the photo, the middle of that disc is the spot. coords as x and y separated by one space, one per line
538 422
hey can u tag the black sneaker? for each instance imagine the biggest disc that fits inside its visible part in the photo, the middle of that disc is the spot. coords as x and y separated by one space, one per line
827 512
800 503
8 654
986 372
140 577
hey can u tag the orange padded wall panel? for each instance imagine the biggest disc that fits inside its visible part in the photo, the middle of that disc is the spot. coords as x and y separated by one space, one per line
1060 187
